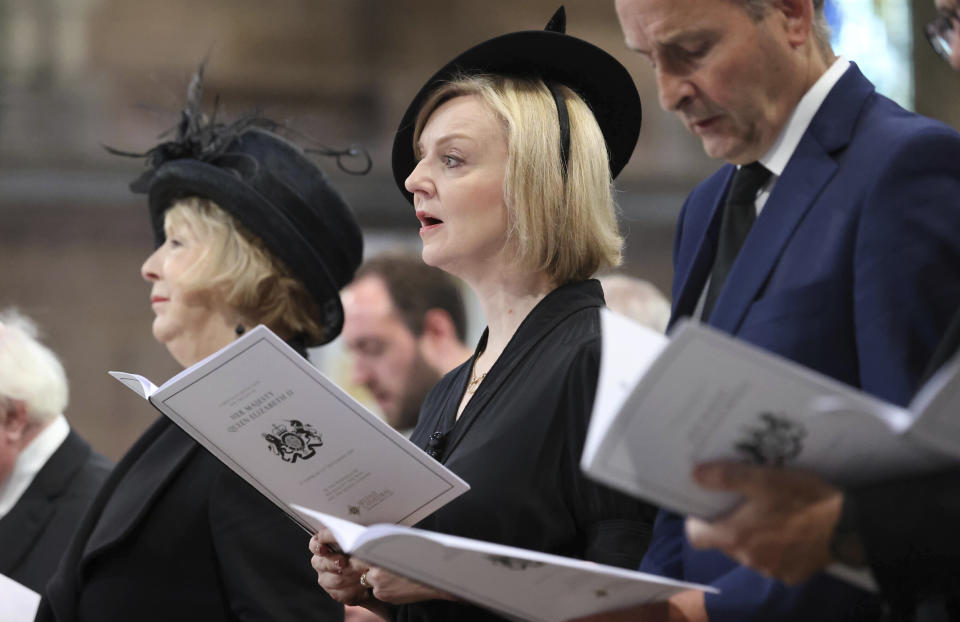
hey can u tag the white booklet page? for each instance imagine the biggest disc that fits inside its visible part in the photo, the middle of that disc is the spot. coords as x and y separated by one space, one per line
703 395
18 603
520 584
297 437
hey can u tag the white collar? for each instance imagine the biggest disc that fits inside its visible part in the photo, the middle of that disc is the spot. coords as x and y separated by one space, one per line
779 155
30 461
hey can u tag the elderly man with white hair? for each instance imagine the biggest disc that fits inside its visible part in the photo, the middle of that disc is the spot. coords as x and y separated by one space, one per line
48 474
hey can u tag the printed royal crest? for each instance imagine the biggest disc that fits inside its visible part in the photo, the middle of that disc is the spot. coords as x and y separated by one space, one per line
293 441
774 441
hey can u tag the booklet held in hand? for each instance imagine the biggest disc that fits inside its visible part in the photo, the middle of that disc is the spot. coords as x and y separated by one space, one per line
297 437
664 405
518 583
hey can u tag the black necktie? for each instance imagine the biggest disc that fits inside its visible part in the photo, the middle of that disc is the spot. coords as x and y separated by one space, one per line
739 212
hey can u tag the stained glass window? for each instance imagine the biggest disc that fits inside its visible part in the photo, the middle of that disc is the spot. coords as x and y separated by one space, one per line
876 35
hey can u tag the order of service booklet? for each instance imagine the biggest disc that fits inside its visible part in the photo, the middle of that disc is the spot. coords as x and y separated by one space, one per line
18 603
297 437
518 583
664 405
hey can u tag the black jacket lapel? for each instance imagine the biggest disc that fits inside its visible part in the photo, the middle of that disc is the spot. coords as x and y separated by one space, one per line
26 521
144 481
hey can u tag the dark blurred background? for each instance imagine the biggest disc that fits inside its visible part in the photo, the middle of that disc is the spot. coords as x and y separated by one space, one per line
77 74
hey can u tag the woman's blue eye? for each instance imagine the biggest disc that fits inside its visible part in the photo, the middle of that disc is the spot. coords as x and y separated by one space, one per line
451 161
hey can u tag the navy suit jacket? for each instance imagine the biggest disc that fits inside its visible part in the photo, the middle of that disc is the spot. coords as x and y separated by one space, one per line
35 533
852 269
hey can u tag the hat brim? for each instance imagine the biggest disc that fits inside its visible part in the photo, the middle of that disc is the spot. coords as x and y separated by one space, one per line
179 179
603 83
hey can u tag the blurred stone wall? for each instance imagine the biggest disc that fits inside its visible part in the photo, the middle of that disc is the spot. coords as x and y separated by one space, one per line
77 74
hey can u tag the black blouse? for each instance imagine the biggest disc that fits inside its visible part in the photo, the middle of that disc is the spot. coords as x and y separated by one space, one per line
518 445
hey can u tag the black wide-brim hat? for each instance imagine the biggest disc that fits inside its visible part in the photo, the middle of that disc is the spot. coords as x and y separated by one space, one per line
277 193
554 56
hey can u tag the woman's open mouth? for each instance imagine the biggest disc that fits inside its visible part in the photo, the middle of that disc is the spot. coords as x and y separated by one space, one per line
427 221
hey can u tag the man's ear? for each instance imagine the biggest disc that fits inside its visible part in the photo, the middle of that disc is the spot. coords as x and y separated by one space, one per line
798 17
438 324
14 423
438 334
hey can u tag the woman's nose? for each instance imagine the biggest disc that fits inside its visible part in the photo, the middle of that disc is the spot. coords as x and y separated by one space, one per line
150 270
418 180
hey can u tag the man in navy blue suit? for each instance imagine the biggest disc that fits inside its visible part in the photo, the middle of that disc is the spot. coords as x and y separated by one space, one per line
793 524
831 237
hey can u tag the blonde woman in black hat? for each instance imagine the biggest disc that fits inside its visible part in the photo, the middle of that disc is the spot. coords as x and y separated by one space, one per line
504 155
249 231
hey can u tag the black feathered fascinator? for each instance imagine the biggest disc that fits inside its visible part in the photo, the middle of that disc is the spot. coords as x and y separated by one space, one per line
556 58
270 186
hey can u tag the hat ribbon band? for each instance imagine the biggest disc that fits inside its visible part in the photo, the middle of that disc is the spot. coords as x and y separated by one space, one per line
564 119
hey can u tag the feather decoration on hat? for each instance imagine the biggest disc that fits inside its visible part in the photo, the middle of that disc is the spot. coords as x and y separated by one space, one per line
198 137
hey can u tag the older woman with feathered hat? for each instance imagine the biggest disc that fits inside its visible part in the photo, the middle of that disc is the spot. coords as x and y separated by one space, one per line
248 231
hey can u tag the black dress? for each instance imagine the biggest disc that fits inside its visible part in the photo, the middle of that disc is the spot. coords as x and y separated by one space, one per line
518 444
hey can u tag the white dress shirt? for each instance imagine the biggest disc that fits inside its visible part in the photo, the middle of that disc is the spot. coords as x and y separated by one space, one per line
776 159
782 150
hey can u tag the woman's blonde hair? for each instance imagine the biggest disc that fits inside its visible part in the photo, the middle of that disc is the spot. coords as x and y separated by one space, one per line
567 228
238 266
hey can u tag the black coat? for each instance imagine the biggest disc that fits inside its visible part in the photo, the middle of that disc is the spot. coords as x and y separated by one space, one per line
36 531
518 444
909 530
176 536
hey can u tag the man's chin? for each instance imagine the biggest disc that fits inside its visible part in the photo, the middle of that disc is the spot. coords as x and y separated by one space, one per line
395 422
732 152
387 409
717 147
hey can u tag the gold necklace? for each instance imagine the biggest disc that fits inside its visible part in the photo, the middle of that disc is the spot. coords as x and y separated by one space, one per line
475 380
